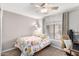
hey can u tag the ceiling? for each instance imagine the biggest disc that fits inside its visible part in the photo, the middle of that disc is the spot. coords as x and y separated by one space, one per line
27 9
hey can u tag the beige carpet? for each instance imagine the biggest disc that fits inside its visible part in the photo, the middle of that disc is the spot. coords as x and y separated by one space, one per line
48 51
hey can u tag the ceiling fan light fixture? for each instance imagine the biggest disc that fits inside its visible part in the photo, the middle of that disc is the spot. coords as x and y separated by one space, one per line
46 7
37 6
44 10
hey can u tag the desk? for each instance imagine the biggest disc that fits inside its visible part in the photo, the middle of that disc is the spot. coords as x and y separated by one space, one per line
76 42
72 52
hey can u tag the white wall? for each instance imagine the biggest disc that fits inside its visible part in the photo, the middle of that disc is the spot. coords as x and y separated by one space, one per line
14 26
74 20
53 19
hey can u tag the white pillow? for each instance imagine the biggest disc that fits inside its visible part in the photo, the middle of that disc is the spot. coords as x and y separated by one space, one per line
68 44
37 32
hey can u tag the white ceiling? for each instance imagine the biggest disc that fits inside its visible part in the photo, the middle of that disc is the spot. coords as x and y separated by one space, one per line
29 10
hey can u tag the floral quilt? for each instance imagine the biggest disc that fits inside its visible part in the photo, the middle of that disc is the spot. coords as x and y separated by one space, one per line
31 44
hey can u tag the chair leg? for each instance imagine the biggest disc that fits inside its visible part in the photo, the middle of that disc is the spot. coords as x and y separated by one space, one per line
68 54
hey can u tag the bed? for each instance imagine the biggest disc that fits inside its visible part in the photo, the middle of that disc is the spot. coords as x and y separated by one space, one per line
32 44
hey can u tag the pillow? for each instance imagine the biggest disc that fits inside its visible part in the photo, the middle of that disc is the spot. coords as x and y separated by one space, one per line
40 34
44 36
37 33
68 44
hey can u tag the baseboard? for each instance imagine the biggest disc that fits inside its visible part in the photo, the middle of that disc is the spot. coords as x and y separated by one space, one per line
58 48
0 53
15 48
8 50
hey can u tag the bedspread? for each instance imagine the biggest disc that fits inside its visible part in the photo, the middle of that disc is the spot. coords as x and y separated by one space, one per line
30 45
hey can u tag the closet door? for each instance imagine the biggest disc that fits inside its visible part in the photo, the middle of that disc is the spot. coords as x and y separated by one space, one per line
58 31
51 31
54 31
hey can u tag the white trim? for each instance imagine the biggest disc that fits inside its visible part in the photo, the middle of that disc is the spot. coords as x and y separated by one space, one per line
1 28
23 14
8 50
57 47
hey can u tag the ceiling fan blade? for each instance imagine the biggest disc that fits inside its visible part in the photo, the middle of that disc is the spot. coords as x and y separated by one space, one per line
42 4
55 8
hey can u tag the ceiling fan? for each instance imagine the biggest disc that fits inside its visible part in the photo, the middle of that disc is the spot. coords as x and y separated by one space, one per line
46 7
